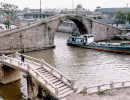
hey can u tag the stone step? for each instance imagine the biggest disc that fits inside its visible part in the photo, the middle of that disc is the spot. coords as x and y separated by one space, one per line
62 88
44 73
60 85
57 83
65 90
53 81
65 94
42 70
39 68
49 77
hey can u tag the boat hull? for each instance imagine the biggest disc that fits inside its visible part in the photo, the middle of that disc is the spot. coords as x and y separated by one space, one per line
110 48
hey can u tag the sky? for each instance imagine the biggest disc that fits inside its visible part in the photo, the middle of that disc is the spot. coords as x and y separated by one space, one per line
87 4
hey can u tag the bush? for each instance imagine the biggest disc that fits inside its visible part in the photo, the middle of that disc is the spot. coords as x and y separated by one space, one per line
101 92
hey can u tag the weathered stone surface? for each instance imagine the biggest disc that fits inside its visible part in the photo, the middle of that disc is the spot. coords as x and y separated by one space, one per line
40 34
36 91
8 75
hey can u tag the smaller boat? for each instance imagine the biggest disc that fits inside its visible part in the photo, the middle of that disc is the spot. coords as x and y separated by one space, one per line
87 41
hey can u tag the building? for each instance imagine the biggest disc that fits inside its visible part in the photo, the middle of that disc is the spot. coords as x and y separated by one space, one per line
37 15
96 15
27 10
110 12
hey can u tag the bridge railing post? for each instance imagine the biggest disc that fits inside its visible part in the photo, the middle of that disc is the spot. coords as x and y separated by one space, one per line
28 68
56 91
85 90
112 85
41 61
123 84
16 54
32 61
10 60
99 88
3 57
72 83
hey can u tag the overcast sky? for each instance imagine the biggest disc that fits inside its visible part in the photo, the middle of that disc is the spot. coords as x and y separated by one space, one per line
88 4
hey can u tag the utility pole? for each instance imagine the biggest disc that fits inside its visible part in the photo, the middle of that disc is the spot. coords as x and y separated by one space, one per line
126 12
40 7
126 16
72 6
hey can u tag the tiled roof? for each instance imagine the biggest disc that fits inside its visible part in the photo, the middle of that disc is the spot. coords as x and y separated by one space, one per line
109 21
111 9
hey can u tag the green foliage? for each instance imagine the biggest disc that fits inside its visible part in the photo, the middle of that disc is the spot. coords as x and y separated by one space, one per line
101 92
8 9
90 22
7 24
121 15
47 96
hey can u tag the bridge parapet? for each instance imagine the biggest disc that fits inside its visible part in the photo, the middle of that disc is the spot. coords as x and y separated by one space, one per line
48 67
103 87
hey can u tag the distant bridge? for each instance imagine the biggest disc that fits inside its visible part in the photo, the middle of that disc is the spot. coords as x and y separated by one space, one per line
40 34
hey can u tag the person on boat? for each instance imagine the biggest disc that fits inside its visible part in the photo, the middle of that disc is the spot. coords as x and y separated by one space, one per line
109 40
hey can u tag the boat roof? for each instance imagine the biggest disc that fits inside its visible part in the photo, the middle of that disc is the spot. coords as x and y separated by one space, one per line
82 36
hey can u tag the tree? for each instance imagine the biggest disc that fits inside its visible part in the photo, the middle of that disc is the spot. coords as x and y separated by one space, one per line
10 11
121 15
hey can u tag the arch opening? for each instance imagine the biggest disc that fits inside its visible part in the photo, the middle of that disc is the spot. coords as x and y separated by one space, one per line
81 27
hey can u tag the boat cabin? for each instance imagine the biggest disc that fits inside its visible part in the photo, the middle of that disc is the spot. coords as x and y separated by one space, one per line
82 39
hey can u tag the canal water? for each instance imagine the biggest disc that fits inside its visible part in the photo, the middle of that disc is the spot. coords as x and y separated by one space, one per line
87 67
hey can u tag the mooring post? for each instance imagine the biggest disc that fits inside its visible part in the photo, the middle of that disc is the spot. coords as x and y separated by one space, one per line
112 85
85 90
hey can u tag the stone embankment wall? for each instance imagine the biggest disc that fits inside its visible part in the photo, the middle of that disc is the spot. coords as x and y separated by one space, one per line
40 34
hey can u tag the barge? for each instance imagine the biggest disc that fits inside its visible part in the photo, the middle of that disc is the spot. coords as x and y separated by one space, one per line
87 41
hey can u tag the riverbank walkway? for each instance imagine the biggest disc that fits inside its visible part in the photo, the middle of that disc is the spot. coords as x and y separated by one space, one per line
57 83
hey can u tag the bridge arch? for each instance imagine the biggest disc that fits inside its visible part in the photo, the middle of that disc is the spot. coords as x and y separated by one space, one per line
78 22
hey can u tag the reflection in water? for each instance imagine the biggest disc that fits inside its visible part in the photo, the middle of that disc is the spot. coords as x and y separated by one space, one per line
88 67
14 91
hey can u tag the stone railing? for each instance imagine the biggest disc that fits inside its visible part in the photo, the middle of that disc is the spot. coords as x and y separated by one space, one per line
49 68
112 85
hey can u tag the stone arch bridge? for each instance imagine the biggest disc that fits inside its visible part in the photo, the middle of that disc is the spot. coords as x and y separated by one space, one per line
40 34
